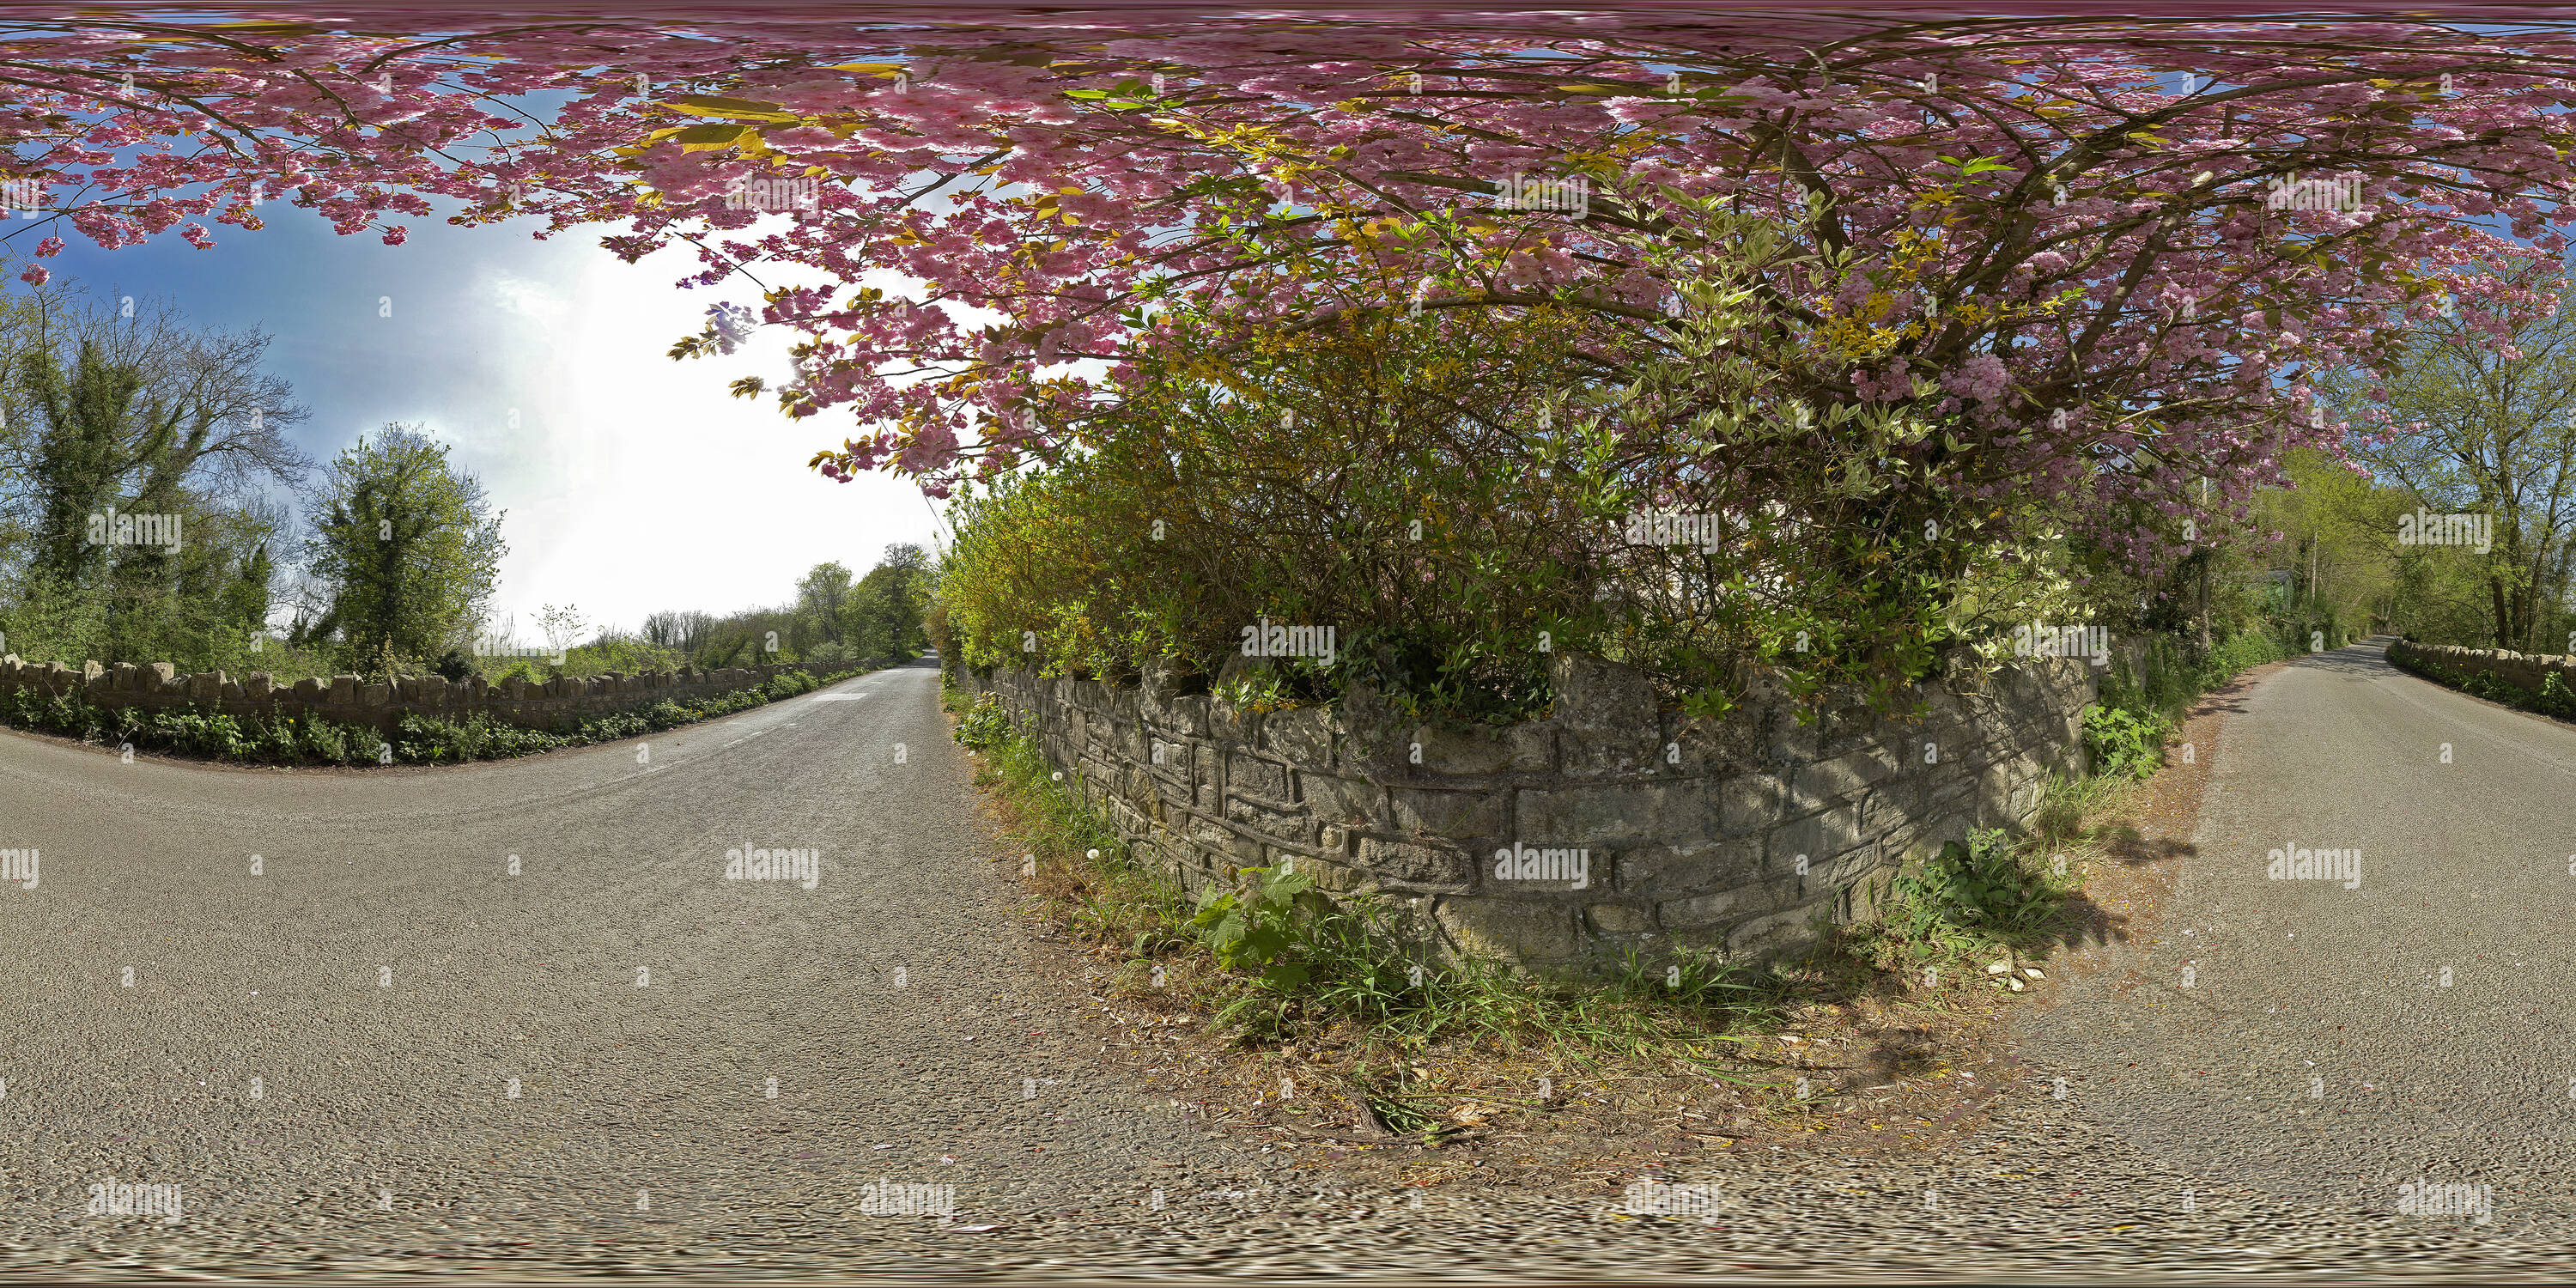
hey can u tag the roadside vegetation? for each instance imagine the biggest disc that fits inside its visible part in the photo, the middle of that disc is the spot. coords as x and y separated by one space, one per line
416 740
152 509
1289 979
2553 699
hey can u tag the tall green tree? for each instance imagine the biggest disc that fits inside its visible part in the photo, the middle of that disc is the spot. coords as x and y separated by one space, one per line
406 546
885 611
80 455
823 595
2481 427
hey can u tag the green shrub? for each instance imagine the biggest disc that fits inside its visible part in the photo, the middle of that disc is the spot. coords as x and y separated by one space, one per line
1251 927
2123 742
985 724
1968 900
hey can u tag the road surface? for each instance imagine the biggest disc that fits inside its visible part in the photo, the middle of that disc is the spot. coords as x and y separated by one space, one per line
385 976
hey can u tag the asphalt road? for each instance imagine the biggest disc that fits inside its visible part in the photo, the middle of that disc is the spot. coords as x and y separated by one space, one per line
2336 1043
385 976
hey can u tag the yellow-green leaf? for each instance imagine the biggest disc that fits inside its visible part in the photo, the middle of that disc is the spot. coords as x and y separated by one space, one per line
706 138
739 108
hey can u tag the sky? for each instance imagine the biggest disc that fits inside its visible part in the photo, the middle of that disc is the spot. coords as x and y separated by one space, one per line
631 483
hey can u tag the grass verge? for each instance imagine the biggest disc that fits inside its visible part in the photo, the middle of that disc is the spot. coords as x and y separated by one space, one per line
1274 982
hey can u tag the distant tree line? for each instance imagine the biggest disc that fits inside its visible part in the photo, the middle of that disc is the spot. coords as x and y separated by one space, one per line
147 495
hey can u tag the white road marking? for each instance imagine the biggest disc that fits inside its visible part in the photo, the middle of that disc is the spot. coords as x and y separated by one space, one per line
838 697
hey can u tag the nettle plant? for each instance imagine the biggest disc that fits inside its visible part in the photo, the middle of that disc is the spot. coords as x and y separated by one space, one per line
1965 276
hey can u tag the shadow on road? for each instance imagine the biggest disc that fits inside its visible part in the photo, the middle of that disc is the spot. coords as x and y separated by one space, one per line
2358 659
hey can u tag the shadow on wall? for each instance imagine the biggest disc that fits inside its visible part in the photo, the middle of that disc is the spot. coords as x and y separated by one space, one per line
1608 825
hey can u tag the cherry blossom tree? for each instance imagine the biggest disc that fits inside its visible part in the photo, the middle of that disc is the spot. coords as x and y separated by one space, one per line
1999 262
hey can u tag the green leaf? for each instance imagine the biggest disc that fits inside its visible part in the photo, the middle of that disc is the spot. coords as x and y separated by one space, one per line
738 108
702 138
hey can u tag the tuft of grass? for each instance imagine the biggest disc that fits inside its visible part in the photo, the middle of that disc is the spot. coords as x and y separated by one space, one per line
1971 901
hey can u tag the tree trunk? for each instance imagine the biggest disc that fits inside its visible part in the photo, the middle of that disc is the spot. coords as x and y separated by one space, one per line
2204 602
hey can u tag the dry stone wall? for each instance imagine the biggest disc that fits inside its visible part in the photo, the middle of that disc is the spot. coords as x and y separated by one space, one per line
2529 672
560 703
1607 825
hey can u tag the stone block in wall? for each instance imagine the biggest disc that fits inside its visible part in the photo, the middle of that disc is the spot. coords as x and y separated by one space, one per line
1248 776
1710 748
1219 840
1185 717
375 695
1440 812
1728 906
1779 934
1825 783
1597 695
1229 723
1340 878
1302 736
1334 799
1818 836
1417 863
1173 795
1371 738
204 686
1274 824
162 674
1169 761
1750 802
1477 750
1625 918
126 677
1664 869
1609 753
1511 929
1599 814
344 690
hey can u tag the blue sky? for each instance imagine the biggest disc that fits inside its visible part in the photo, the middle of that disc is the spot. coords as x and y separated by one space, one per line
632 482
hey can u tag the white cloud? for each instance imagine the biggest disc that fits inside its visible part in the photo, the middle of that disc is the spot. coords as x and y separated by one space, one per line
636 483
